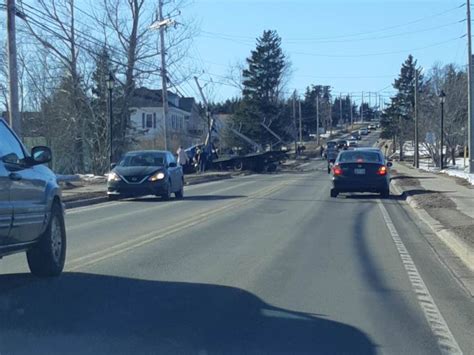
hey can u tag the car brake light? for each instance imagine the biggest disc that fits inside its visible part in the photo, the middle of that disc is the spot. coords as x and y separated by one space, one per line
337 170
382 170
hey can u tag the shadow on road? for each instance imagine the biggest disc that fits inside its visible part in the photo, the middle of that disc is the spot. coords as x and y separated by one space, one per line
401 177
82 313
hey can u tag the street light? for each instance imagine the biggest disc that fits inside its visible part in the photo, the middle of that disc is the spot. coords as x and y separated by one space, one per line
110 86
442 100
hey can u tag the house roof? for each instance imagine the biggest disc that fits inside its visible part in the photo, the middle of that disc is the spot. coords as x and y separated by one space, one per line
144 97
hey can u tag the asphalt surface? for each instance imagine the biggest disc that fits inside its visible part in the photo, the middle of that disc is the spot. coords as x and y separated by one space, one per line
260 264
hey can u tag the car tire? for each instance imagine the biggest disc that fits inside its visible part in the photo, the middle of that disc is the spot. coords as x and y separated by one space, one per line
47 258
180 193
113 197
167 195
385 193
334 193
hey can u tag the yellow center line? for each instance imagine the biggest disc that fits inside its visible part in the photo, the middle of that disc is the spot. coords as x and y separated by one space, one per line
140 211
137 242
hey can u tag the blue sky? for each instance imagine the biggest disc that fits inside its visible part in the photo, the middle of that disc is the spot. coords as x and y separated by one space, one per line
351 45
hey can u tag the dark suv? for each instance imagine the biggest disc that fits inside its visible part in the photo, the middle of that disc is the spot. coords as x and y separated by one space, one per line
31 211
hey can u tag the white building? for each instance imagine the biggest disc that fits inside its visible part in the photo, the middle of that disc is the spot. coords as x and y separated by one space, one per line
185 126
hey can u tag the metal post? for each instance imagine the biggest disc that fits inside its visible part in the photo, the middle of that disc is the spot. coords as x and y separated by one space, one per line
362 109
470 108
163 74
13 106
111 130
441 137
416 161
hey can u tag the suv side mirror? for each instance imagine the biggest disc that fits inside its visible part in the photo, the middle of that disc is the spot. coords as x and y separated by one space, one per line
41 155
112 165
172 165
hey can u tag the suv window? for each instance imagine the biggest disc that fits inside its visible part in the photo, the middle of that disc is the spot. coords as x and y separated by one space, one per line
171 158
10 147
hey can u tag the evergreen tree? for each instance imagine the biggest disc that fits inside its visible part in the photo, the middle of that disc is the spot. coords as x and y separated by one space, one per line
398 117
261 95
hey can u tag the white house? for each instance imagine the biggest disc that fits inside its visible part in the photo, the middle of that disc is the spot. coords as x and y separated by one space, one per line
185 126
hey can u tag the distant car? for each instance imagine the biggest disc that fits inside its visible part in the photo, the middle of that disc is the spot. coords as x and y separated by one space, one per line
352 143
361 170
363 131
341 144
331 156
372 127
31 211
146 172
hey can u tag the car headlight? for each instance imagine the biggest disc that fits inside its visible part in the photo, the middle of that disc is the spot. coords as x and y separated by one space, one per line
113 177
157 176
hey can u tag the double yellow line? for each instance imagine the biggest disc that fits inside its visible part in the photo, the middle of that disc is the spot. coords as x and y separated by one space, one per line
131 244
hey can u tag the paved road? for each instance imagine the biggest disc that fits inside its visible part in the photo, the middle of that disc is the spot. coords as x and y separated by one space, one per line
260 264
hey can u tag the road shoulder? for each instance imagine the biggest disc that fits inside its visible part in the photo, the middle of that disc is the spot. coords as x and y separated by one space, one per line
443 217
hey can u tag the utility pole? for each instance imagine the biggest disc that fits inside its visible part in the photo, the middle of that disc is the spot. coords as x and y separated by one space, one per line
416 161
300 123
340 108
470 108
164 88
294 119
13 105
317 120
208 112
350 107
362 109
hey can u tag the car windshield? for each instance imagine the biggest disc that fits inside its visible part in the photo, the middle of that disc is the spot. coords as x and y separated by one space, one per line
359 157
143 159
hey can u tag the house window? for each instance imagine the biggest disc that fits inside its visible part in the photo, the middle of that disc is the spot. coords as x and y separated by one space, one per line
149 120
143 120
154 119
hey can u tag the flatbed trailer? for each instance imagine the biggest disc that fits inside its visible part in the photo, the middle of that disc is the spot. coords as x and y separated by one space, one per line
258 162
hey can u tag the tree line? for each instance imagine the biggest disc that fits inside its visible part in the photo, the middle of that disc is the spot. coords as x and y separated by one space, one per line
398 120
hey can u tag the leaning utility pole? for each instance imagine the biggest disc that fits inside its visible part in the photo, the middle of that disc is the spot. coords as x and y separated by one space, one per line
164 89
317 120
13 106
416 161
470 108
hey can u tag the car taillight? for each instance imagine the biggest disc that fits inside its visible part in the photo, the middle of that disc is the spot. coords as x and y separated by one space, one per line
337 170
382 170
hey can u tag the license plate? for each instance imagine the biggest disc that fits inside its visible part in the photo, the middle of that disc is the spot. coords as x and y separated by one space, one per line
359 171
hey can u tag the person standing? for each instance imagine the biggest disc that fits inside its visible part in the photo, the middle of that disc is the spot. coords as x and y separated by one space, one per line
183 158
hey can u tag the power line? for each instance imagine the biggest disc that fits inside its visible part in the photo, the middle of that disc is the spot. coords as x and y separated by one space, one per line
383 29
379 53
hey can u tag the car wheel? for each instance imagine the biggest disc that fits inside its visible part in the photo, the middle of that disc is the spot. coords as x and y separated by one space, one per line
113 197
385 193
180 193
167 195
334 193
47 258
